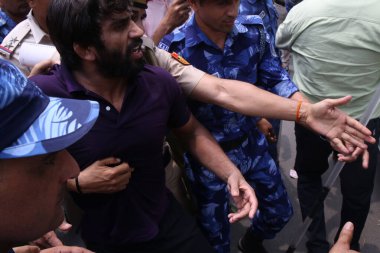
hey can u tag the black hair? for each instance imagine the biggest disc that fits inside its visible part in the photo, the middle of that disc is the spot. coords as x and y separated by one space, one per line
79 21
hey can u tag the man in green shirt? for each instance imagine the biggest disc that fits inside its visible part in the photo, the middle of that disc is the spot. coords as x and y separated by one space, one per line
336 51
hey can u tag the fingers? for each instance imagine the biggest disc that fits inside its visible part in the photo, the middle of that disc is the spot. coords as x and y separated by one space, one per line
354 155
357 129
346 234
271 137
26 249
338 145
123 168
41 67
52 239
339 101
253 204
48 240
109 161
245 207
365 160
65 226
246 203
240 214
66 249
108 175
354 137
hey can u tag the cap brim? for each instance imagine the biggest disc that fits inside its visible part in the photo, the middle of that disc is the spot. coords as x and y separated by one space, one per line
62 123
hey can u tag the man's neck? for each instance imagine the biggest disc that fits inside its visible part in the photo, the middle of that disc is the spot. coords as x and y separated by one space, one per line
219 38
112 90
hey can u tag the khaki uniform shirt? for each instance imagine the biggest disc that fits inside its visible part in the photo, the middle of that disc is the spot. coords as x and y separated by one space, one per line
35 35
186 75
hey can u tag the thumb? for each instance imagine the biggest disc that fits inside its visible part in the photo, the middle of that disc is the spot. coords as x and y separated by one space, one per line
26 249
346 234
341 101
65 226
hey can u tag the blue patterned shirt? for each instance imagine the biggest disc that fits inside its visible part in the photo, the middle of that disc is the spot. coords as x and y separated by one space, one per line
240 60
266 10
6 25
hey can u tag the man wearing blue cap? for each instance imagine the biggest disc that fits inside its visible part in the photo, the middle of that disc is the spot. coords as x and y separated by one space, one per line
34 168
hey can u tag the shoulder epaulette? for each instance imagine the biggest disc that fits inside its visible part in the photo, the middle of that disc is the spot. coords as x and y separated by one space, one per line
14 38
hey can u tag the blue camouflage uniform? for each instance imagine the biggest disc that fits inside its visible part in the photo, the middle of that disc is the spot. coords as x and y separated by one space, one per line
6 25
266 10
247 58
268 13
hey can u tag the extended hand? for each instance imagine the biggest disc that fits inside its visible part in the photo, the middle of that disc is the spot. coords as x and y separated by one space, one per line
243 196
265 127
341 130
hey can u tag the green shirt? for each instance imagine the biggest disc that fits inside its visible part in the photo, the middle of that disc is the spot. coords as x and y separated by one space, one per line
336 50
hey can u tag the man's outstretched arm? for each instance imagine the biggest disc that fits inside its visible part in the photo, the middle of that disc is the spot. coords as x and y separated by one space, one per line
342 131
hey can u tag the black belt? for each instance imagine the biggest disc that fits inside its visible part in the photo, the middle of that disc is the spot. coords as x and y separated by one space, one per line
232 144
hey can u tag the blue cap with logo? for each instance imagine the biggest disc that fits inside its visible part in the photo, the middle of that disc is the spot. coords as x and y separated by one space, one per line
32 123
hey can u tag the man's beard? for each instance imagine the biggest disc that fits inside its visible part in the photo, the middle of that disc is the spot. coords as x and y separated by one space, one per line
115 64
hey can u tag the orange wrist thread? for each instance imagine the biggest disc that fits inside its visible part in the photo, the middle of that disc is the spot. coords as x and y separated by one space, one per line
298 116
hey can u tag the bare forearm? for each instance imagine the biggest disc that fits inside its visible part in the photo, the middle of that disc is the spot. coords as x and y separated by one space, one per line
202 145
245 98
160 32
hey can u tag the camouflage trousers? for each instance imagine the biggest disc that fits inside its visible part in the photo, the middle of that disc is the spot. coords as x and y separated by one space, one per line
213 199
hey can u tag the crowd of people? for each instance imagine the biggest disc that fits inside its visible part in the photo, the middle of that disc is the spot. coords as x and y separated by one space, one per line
161 121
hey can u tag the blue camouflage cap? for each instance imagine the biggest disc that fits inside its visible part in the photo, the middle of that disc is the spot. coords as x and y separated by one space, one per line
32 123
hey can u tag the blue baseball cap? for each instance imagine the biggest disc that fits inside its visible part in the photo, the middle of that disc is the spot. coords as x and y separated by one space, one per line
32 123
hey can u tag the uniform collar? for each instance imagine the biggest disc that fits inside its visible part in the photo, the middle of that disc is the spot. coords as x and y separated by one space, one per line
37 32
194 34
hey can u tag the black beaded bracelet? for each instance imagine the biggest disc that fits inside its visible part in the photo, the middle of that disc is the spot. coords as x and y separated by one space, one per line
79 190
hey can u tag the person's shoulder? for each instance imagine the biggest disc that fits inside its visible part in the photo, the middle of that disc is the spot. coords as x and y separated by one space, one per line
177 36
155 72
157 78
249 20
17 34
24 25
51 83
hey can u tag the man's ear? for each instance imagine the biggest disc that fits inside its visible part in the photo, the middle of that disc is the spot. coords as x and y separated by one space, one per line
86 53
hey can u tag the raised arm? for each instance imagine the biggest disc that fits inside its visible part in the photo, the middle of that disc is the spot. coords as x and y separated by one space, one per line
178 12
